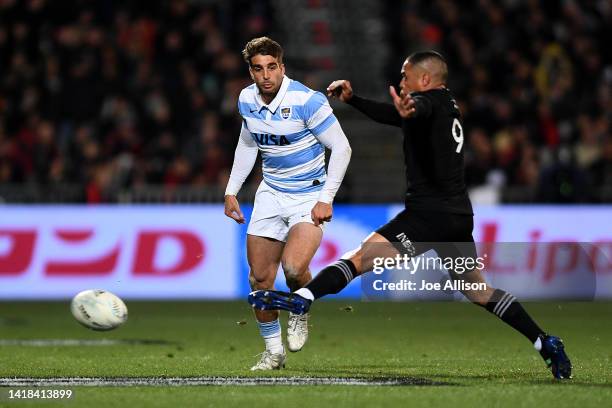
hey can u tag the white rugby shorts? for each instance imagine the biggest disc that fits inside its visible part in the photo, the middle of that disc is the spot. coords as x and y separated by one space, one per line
275 212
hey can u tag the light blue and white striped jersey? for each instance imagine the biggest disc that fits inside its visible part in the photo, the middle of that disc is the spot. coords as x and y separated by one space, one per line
285 131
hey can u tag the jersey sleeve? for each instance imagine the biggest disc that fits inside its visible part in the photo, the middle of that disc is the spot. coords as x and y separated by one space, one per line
318 115
240 105
244 160
380 112
334 139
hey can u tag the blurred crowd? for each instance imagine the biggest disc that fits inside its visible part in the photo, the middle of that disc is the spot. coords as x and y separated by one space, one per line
534 81
114 94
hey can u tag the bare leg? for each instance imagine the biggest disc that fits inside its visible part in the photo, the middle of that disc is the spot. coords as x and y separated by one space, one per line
374 246
335 277
303 241
479 297
264 255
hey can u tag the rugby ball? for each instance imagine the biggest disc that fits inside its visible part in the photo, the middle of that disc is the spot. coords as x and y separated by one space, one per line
98 309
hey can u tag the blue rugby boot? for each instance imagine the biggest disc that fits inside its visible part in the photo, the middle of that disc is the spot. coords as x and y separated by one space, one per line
277 300
554 355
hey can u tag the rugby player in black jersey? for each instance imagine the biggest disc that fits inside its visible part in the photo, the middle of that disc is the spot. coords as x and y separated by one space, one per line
438 213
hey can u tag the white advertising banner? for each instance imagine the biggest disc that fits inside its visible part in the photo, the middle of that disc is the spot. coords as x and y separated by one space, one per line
537 252
547 251
135 252
173 252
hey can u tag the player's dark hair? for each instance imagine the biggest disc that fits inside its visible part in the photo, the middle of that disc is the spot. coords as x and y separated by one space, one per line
262 46
421 56
430 55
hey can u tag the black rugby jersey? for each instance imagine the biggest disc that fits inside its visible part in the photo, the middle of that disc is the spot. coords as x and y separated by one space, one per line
434 143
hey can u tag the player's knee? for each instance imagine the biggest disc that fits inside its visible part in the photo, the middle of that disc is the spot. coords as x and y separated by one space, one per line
475 299
260 284
352 254
478 297
293 271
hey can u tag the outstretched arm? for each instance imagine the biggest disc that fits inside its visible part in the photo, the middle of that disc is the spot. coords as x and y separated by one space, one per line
381 112
378 111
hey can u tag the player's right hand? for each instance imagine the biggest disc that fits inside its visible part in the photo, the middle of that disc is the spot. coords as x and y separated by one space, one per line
232 209
340 89
404 103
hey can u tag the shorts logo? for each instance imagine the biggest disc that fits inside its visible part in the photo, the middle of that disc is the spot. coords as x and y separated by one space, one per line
406 243
285 112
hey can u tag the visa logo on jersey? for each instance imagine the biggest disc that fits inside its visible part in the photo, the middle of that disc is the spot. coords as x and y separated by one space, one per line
266 139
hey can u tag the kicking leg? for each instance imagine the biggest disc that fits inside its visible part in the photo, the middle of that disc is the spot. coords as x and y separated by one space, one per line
332 279
302 243
502 304
335 277
264 255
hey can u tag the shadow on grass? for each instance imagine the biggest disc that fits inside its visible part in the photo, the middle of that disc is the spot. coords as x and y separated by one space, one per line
512 378
375 371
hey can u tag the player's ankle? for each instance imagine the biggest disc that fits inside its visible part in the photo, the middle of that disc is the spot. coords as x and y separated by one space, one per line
276 349
274 344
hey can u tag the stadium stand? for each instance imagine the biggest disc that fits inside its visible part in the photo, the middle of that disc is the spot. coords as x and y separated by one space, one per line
105 101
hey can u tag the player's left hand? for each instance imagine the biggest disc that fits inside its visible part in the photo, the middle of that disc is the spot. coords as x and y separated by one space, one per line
404 104
321 212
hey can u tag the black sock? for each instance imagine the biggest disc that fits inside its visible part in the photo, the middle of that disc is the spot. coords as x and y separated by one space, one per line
332 279
506 307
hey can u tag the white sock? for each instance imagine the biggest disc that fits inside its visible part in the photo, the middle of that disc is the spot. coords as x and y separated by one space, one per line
305 293
538 344
274 344
271 333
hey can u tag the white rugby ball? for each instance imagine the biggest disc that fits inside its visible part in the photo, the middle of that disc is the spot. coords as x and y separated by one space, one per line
98 309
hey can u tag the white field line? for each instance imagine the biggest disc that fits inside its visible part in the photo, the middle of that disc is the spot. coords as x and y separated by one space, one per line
76 342
191 381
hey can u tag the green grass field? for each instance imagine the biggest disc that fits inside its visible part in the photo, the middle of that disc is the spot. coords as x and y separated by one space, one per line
481 361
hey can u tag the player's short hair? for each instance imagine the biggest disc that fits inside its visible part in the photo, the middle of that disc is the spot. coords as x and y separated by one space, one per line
432 58
262 46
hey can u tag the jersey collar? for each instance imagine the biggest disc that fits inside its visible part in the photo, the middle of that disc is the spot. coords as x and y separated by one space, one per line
273 106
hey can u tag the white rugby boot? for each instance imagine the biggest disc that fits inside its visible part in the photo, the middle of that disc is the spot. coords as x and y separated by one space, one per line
297 331
269 361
